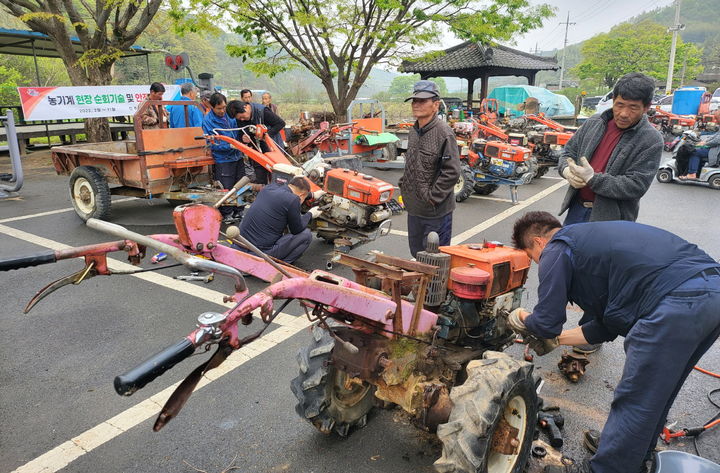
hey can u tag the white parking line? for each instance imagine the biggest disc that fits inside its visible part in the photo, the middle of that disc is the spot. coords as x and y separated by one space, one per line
470 233
496 199
53 212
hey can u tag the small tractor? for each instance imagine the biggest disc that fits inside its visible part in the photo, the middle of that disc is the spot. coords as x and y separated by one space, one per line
488 164
426 335
544 136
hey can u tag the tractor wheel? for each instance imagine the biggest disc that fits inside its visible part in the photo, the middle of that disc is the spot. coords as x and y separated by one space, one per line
327 397
390 152
497 398
664 175
89 193
485 189
715 182
464 185
541 171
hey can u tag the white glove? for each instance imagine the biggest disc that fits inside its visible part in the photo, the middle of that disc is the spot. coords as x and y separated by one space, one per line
584 171
572 179
516 324
318 193
315 212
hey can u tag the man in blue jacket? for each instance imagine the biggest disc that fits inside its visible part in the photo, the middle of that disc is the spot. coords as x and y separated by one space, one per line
188 92
657 290
276 209
228 167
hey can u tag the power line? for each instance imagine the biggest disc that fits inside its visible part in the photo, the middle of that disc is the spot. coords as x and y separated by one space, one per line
567 24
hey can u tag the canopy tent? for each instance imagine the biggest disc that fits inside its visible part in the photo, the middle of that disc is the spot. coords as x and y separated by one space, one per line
35 44
471 61
509 97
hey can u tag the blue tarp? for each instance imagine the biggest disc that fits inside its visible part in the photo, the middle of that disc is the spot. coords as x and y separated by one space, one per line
510 96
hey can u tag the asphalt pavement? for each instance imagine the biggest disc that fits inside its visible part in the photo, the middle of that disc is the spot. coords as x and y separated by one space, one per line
59 411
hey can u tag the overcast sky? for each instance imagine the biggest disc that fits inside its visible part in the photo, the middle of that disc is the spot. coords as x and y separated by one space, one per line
592 17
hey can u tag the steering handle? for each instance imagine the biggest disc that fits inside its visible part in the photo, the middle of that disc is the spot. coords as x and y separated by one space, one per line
42 257
128 383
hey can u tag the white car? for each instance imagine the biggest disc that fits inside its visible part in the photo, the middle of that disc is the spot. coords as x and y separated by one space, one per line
605 103
715 100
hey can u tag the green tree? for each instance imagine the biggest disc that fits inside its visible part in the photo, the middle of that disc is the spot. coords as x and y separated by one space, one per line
9 80
160 35
643 47
402 86
340 41
105 29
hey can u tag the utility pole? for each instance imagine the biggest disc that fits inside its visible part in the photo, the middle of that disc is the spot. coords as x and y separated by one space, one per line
562 64
675 28
536 50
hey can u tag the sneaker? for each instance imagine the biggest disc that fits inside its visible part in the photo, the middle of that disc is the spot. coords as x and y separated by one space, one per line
591 439
586 349
579 467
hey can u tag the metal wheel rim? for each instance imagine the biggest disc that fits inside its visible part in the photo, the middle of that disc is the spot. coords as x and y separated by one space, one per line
348 397
665 175
515 413
83 195
460 184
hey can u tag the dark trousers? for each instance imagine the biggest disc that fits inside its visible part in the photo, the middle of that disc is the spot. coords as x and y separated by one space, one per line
577 213
228 174
420 227
290 247
262 176
661 350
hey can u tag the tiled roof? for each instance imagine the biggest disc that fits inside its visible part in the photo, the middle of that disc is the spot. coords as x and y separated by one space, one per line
470 55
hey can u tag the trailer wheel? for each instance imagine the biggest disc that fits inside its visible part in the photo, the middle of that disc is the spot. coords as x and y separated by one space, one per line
715 182
485 189
464 186
327 398
89 193
664 176
497 397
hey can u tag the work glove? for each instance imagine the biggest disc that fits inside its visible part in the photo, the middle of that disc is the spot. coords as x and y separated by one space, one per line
517 325
315 212
572 179
583 170
318 194
542 346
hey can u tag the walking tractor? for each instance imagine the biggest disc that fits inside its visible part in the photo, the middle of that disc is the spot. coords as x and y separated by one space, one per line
488 164
438 358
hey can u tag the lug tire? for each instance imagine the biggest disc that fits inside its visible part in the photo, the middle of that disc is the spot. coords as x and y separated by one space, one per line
89 193
541 171
664 176
390 152
321 399
465 183
485 189
492 390
715 182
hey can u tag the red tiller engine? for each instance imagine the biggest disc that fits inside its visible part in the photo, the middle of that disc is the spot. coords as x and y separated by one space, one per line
501 159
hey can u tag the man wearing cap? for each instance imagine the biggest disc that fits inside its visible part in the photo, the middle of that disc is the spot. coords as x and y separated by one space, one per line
432 168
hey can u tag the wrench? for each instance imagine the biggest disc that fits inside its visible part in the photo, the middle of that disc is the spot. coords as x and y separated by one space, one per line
196 277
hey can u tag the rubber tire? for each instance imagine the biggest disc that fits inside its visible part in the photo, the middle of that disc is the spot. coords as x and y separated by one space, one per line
314 389
664 175
715 182
485 189
541 171
478 405
390 152
467 179
100 190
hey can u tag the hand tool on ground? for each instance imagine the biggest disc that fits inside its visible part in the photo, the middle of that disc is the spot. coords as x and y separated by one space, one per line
551 424
196 277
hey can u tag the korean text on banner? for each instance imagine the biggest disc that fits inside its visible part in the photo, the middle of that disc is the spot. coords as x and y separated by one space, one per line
61 103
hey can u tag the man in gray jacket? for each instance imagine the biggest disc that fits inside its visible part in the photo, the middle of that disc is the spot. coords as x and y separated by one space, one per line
612 159
432 168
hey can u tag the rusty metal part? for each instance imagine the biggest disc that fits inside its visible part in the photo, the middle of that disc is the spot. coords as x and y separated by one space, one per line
538 451
437 406
505 438
365 363
572 365
76 278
